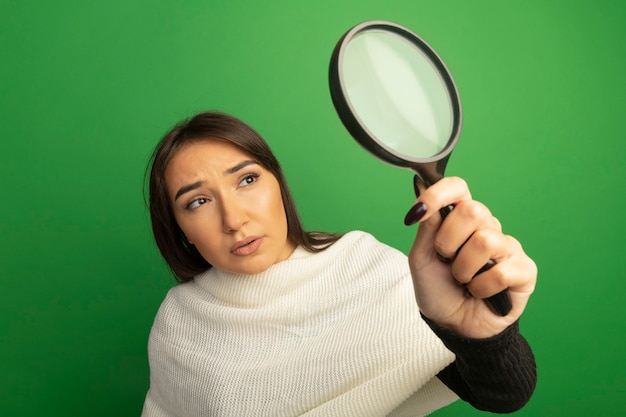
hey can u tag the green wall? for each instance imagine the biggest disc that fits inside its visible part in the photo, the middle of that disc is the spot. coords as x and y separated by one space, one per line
86 88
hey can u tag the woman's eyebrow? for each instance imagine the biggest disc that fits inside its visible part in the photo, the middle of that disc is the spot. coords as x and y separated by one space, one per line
240 166
186 188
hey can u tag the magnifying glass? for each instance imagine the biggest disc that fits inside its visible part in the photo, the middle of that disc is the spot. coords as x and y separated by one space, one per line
397 99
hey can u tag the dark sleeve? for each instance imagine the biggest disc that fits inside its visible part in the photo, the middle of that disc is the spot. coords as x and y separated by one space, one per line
496 374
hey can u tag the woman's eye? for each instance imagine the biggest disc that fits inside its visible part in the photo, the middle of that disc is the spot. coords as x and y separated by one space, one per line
248 179
196 203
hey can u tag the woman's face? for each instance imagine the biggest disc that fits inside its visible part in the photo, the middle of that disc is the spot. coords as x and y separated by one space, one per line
228 206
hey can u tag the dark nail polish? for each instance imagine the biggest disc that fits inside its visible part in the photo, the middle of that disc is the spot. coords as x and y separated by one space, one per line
415 214
415 185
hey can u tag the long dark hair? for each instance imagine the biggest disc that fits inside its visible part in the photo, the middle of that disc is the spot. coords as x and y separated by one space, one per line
182 257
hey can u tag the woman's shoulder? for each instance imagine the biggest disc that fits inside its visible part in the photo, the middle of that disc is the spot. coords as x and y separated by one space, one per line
359 236
359 239
365 249
175 295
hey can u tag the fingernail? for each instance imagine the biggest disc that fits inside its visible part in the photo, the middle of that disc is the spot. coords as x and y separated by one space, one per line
415 185
415 214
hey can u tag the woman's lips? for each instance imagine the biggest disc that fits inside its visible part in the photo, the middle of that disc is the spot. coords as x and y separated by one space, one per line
246 246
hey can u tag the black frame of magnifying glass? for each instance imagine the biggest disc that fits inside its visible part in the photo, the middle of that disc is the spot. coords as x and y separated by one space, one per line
431 169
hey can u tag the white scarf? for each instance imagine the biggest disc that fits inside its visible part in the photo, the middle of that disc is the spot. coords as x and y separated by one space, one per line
336 333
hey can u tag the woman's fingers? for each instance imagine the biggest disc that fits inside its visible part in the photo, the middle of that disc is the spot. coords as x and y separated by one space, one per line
512 270
449 190
465 220
483 245
517 274
469 237
444 239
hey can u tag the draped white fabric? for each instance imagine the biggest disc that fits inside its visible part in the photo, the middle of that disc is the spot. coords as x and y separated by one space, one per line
336 333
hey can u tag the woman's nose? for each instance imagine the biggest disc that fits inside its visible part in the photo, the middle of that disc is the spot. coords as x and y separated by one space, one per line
234 214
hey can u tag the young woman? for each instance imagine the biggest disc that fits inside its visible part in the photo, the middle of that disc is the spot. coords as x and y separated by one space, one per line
271 320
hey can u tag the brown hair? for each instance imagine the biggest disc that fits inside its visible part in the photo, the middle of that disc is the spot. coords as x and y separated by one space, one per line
182 257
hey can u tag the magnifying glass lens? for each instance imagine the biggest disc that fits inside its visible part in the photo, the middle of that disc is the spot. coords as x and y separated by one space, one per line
399 99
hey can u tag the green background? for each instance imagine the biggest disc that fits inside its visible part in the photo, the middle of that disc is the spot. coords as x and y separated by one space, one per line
87 88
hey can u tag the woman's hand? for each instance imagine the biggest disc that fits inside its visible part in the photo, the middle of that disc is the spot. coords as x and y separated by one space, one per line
447 292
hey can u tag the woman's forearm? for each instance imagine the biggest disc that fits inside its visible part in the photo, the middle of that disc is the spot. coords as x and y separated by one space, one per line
497 374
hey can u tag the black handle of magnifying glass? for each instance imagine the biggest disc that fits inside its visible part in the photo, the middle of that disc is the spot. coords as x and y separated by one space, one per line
499 303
